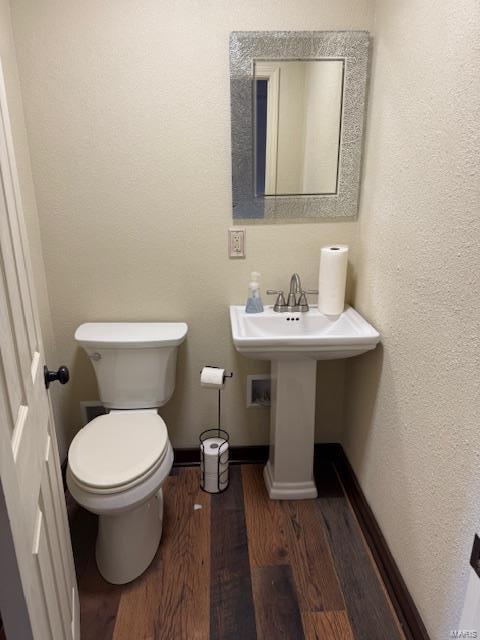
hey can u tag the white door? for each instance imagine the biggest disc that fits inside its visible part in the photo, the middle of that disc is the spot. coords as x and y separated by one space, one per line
38 589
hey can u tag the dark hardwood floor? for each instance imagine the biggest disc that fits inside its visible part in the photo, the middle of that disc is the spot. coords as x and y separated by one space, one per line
242 567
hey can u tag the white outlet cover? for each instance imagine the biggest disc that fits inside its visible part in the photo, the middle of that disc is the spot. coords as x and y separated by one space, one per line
236 242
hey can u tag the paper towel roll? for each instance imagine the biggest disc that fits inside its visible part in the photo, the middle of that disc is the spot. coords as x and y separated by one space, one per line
212 378
332 279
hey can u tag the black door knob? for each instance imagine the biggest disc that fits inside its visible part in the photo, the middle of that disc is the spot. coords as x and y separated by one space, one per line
62 375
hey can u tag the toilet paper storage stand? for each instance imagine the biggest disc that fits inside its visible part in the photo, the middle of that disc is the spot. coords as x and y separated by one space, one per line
221 458
224 436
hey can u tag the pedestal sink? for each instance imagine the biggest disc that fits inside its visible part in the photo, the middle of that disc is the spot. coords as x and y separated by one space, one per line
294 342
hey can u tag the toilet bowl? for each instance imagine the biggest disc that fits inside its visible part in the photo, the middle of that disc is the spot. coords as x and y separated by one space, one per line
116 467
118 461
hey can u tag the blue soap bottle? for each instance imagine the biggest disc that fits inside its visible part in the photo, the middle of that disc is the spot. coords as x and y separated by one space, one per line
254 301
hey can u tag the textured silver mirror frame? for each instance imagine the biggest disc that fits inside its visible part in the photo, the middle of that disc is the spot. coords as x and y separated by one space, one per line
247 46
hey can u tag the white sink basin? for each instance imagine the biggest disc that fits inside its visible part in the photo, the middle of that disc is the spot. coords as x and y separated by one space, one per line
311 335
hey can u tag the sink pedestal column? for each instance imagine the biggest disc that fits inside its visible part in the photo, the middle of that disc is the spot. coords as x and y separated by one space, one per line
288 473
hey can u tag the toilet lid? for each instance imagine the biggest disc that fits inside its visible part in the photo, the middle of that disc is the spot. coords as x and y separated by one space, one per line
117 448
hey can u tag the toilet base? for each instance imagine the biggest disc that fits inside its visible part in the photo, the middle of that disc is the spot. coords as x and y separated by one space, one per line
127 542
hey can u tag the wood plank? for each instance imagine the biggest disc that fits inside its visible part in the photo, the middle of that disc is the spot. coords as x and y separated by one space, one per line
276 607
99 601
315 577
326 625
266 521
368 610
282 532
232 614
172 599
397 592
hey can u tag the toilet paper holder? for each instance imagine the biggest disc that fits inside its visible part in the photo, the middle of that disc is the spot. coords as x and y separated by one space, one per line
214 480
225 376
221 461
214 366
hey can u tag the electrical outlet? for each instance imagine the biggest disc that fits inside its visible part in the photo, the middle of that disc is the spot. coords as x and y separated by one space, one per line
236 242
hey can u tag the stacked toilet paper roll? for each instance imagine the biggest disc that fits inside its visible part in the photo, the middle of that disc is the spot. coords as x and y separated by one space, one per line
332 279
212 377
214 464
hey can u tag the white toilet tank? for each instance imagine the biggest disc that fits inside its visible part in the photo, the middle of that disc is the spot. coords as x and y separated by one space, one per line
134 362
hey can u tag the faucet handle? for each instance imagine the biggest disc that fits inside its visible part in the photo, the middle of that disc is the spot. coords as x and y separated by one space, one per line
274 292
280 304
311 292
303 302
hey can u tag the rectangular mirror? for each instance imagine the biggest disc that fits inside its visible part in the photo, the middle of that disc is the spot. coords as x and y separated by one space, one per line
297 103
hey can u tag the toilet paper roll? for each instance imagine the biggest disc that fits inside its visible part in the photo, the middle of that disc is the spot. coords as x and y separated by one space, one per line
212 484
332 279
215 455
212 378
210 467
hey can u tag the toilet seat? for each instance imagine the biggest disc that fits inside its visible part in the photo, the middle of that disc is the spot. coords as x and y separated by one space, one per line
123 499
117 451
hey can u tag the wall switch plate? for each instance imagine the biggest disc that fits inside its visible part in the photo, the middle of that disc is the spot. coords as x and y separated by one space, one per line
236 242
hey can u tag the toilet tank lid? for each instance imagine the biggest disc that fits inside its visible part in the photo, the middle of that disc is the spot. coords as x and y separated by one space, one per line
131 334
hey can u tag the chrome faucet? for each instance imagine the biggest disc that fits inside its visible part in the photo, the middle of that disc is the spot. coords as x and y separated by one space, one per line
295 290
296 300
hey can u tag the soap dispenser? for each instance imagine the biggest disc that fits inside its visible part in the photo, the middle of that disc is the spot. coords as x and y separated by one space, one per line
254 302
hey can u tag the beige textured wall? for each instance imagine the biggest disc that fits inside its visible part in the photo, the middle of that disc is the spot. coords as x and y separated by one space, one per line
413 407
15 108
128 115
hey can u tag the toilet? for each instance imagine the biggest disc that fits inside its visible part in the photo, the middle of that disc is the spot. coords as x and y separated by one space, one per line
118 461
